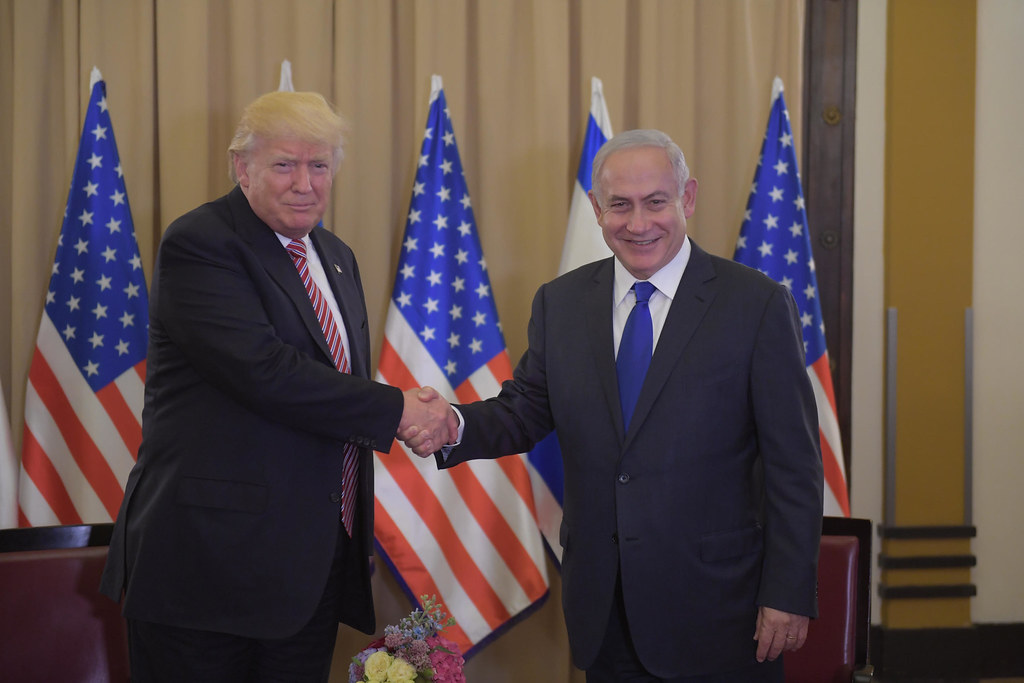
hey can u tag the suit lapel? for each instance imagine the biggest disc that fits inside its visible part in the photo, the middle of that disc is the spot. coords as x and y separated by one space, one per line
597 303
277 262
693 297
346 294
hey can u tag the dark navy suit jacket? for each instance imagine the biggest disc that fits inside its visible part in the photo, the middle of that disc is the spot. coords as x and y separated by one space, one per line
710 504
231 515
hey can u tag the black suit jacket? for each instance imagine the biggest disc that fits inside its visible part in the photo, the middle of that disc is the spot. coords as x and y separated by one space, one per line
710 504
230 517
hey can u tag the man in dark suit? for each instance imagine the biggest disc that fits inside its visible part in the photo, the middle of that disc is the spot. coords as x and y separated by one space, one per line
246 528
691 529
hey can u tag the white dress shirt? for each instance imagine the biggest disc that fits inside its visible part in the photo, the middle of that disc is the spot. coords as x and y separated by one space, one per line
316 270
666 282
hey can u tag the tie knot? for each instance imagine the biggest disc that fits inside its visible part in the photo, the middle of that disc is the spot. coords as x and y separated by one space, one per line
297 248
643 290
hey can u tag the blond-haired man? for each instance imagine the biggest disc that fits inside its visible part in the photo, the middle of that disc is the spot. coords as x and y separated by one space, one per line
247 523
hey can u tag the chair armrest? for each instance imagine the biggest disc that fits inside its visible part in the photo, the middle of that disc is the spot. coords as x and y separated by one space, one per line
865 674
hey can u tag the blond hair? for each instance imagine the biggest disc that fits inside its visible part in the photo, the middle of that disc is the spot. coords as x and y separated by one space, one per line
305 116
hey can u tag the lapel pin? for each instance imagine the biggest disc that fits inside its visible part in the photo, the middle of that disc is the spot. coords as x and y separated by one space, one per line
337 268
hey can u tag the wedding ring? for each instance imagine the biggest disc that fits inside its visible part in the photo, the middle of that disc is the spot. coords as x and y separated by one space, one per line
790 637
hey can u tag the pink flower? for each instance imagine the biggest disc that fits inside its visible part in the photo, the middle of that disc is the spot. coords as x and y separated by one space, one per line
446 660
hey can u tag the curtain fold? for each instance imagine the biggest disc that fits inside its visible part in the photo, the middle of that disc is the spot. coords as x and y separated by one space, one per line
517 78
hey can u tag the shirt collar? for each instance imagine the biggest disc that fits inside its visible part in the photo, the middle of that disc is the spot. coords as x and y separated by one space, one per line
285 241
666 280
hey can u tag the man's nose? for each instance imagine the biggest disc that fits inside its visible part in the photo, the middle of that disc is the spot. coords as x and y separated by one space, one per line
301 181
638 220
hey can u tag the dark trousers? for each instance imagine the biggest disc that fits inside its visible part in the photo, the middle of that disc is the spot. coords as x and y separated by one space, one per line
617 661
161 653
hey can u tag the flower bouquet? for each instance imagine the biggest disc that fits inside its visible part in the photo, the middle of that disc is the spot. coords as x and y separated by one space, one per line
414 651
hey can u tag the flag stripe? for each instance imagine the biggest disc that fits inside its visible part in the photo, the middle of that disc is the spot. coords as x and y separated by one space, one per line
498 530
392 369
439 563
121 414
40 469
60 476
432 512
483 503
401 549
82 448
828 430
102 429
484 382
476 530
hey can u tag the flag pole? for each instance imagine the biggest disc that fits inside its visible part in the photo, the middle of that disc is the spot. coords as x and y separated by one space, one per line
285 84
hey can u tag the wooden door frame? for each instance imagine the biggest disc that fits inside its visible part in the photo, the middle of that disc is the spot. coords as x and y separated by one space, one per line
830 74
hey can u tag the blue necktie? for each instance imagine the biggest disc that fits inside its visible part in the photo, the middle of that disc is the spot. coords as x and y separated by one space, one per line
635 350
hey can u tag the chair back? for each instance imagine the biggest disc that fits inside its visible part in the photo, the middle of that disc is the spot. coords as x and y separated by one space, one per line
837 640
54 624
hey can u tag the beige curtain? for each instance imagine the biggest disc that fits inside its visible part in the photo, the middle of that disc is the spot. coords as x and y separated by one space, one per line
517 78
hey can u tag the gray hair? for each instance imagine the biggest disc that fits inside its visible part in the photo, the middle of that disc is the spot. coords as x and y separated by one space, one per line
640 138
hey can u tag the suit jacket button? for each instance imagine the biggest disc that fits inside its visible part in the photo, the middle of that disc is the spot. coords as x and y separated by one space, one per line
615 539
335 497
623 478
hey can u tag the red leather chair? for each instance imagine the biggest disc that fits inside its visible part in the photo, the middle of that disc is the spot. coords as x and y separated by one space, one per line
54 624
837 642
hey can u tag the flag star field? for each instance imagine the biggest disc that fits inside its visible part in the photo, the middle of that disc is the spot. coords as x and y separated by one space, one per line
774 237
97 295
442 288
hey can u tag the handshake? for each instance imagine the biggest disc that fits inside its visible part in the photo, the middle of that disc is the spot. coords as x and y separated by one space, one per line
428 422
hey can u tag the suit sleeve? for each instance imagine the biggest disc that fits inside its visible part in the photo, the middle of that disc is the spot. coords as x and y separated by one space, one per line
221 316
787 431
519 416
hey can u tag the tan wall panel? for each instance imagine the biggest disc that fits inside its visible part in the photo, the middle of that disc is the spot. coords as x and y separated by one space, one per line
929 218
928 269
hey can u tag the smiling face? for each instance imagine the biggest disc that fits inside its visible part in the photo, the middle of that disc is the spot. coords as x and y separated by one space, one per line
643 216
287 182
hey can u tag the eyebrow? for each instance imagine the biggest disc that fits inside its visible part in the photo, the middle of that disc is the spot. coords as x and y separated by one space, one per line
653 195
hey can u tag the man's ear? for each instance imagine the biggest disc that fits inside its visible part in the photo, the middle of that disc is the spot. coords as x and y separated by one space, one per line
241 170
593 202
690 197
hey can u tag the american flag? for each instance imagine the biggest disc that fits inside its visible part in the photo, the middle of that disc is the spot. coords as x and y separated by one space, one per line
584 242
774 238
467 534
83 403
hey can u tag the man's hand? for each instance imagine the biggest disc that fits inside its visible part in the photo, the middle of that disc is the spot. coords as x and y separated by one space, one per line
777 631
428 421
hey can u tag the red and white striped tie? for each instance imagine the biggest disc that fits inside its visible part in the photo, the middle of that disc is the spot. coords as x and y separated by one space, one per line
297 249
